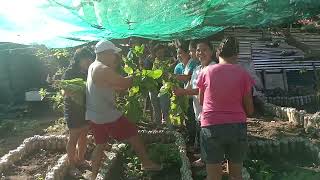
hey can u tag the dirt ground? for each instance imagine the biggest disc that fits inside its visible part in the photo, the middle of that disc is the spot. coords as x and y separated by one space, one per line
262 128
23 128
258 128
34 166
272 128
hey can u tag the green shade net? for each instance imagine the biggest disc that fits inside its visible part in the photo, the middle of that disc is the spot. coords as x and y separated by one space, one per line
66 23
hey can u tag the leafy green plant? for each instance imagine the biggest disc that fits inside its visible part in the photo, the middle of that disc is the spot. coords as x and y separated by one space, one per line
54 59
259 169
74 87
300 174
165 154
59 126
145 81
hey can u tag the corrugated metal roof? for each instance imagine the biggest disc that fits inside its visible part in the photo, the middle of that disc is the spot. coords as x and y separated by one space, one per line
252 48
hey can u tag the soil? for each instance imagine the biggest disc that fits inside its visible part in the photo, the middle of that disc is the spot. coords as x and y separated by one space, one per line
84 170
262 128
164 154
258 128
33 166
23 128
272 128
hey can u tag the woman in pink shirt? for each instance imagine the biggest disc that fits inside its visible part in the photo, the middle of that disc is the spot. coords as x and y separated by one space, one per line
225 92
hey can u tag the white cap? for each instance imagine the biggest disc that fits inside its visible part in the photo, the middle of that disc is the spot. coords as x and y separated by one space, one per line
106 45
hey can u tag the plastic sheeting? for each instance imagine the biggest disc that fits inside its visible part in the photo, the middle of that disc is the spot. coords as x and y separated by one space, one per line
65 23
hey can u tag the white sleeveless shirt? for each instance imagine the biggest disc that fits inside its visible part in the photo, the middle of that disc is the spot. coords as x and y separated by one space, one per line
100 101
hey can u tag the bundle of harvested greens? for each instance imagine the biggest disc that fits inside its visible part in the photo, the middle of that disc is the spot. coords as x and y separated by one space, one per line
75 88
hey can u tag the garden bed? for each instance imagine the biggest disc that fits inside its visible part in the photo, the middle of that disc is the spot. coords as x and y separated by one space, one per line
295 101
33 166
286 159
299 118
14 131
165 154
85 171
165 147
33 157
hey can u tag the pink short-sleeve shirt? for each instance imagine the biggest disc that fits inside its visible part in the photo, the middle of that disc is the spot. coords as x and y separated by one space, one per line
224 86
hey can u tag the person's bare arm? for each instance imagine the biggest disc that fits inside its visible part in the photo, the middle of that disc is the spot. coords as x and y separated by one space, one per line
248 104
201 95
188 91
183 77
113 79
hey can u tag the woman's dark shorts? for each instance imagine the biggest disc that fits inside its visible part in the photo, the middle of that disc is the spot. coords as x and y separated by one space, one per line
76 122
226 141
74 114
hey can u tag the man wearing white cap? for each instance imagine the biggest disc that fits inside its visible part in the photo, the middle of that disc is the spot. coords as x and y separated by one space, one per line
106 121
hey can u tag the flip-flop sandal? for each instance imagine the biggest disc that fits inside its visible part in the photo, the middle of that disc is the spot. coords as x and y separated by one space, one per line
152 169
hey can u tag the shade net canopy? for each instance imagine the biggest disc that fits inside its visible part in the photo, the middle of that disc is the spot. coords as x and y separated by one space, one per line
67 23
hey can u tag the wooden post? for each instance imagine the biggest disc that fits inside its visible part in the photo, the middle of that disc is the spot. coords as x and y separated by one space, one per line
284 77
263 73
315 78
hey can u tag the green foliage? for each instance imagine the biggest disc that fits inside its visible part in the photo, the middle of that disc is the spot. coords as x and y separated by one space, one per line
74 87
138 50
178 108
40 178
59 126
43 92
57 100
54 59
300 174
165 154
260 170
145 81
178 104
